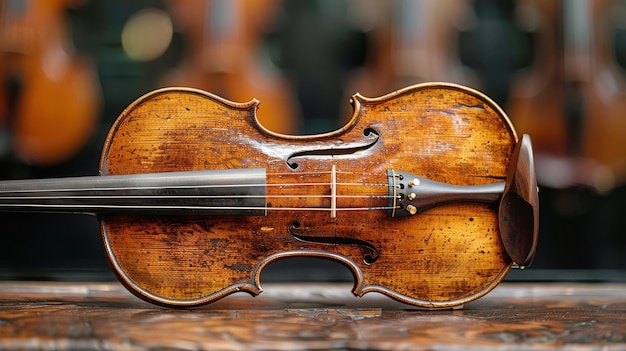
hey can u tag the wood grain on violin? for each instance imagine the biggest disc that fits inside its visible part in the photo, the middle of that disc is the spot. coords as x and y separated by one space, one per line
426 195
57 97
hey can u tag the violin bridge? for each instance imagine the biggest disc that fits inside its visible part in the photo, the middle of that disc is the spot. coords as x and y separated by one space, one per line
333 192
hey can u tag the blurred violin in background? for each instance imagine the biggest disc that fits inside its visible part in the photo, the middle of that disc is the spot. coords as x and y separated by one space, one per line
409 42
572 100
50 96
224 54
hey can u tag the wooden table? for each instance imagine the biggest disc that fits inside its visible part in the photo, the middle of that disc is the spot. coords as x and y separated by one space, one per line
515 316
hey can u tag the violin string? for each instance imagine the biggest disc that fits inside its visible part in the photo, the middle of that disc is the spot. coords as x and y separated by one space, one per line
175 187
197 208
93 197
315 173
77 191
207 186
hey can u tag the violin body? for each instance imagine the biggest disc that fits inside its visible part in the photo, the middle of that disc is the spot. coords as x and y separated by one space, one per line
437 258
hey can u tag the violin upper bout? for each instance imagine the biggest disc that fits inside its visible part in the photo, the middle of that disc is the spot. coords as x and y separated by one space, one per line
175 128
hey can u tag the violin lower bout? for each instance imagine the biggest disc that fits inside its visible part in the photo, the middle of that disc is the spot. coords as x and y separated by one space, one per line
442 258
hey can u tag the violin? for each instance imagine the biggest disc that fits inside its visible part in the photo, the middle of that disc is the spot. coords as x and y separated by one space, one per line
53 109
427 195
573 98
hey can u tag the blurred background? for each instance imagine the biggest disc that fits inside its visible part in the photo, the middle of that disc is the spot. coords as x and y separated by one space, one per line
558 67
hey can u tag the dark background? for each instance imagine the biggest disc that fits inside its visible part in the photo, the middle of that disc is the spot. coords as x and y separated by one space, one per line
327 50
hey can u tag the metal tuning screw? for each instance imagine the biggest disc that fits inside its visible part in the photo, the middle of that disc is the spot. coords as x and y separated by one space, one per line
411 209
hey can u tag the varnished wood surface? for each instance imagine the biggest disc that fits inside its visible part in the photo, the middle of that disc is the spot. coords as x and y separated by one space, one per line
514 316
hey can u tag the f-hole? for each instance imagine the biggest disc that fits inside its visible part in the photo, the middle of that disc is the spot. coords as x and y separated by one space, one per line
371 138
368 258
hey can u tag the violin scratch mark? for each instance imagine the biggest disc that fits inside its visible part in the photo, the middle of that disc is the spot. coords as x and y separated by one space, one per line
430 235
474 107
242 267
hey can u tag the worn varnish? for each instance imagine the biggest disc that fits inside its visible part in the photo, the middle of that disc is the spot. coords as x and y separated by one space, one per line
426 195
514 316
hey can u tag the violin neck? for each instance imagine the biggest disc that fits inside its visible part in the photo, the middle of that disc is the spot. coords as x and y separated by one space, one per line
222 192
